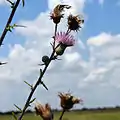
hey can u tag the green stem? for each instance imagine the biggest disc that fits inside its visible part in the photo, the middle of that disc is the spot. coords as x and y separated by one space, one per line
55 34
38 81
62 114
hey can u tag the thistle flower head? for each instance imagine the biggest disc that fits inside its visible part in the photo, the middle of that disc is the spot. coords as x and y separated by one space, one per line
66 39
67 100
56 15
44 111
74 22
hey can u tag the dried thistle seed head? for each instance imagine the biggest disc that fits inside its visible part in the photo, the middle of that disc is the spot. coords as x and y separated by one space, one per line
56 15
60 8
74 22
44 111
67 100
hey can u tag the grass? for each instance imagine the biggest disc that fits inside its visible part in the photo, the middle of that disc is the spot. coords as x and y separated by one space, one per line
88 115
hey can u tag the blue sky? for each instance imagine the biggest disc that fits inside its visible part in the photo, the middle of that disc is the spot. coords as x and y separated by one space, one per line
96 70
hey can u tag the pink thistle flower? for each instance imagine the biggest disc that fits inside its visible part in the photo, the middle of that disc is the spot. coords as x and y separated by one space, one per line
66 39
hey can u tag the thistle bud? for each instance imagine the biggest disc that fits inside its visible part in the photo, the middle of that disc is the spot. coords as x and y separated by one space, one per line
60 49
45 59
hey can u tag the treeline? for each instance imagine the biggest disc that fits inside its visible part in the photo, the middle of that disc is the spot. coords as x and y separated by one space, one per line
117 108
16 112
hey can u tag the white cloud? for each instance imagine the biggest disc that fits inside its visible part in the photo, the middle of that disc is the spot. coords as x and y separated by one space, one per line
103 60
2 1
100 40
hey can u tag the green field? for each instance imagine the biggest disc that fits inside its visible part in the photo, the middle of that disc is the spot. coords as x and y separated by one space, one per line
112 115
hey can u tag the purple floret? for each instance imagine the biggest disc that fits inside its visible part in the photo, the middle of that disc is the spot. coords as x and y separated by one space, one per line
66 39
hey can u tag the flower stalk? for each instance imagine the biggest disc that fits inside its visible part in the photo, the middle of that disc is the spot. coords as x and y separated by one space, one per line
62 114
38 81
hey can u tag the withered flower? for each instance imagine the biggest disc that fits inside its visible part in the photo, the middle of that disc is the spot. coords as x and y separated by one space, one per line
74 22
44 111
67 100
56 15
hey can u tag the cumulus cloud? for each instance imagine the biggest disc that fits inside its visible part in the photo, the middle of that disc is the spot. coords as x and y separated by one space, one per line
2 2
99 40
104 59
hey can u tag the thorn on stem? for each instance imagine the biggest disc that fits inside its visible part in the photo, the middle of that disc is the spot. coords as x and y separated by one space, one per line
41 82
1 63
41 64
52 46
28 84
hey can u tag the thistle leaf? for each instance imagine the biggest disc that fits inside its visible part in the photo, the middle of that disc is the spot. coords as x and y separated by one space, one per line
23 3
13 114
9 28
42 83
32 100
18 108
28 84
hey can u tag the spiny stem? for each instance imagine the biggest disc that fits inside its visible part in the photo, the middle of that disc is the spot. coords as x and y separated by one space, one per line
9 21
62 114
55 34
38 81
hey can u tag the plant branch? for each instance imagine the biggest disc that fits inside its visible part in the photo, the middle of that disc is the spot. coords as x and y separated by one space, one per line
9 21
55 34
62 114
38 81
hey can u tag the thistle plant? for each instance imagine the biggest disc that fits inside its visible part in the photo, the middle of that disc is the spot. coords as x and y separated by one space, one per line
61 41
